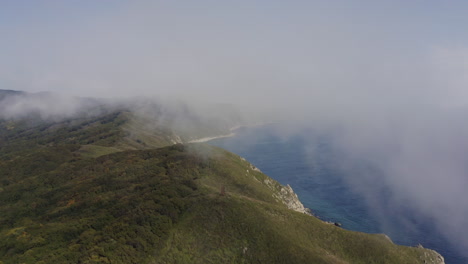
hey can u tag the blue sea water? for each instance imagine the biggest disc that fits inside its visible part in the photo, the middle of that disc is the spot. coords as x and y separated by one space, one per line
321 187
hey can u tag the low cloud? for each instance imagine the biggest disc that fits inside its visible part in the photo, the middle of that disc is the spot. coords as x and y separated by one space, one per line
46 106
387 81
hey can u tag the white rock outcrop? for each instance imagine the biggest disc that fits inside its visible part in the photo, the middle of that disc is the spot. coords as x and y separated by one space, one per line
290 199
432 256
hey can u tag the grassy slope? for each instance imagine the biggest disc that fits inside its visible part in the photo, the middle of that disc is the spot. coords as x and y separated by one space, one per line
163 206
91 190
102 134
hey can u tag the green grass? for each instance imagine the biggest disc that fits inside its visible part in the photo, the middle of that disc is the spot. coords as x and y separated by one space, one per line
94 151
165 206
98 190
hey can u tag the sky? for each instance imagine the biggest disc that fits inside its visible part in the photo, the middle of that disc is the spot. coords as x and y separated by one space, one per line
387 78
323 53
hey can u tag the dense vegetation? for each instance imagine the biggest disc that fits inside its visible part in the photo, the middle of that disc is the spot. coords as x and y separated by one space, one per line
115 207
83 191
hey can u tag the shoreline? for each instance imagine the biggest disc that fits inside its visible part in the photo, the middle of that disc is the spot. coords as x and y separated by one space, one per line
232 129
293 203
205 139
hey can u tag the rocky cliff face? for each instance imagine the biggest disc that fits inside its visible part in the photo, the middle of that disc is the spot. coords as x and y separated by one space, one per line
432 257
286 195
290 199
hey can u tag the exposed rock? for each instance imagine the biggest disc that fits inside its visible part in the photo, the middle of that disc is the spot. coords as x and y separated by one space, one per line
255 168
431 256
290 199
287 196
387 237
244 250
269 183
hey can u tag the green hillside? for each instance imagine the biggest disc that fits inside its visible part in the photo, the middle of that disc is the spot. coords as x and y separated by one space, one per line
88 190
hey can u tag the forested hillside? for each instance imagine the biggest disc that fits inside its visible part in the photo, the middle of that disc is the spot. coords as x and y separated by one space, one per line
106 189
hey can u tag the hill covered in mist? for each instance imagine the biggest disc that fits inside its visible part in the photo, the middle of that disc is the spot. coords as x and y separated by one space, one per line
91 181
126 124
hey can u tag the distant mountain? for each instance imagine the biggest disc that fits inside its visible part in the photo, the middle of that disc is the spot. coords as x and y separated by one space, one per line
7 93
111 186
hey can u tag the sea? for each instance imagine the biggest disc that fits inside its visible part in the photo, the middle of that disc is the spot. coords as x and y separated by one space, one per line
321 187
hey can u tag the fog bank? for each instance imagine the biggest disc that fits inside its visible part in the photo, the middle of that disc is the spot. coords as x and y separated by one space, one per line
387 80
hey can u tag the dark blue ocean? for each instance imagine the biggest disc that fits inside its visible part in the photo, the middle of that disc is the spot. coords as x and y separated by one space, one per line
322 188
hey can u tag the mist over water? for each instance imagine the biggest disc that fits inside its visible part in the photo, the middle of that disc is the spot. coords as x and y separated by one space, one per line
383 81
310 163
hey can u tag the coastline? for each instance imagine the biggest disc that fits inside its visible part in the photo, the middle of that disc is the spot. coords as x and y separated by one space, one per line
232 129
205 139
288 196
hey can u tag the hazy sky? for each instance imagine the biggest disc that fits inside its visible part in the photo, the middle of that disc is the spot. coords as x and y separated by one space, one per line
314 53
390 77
